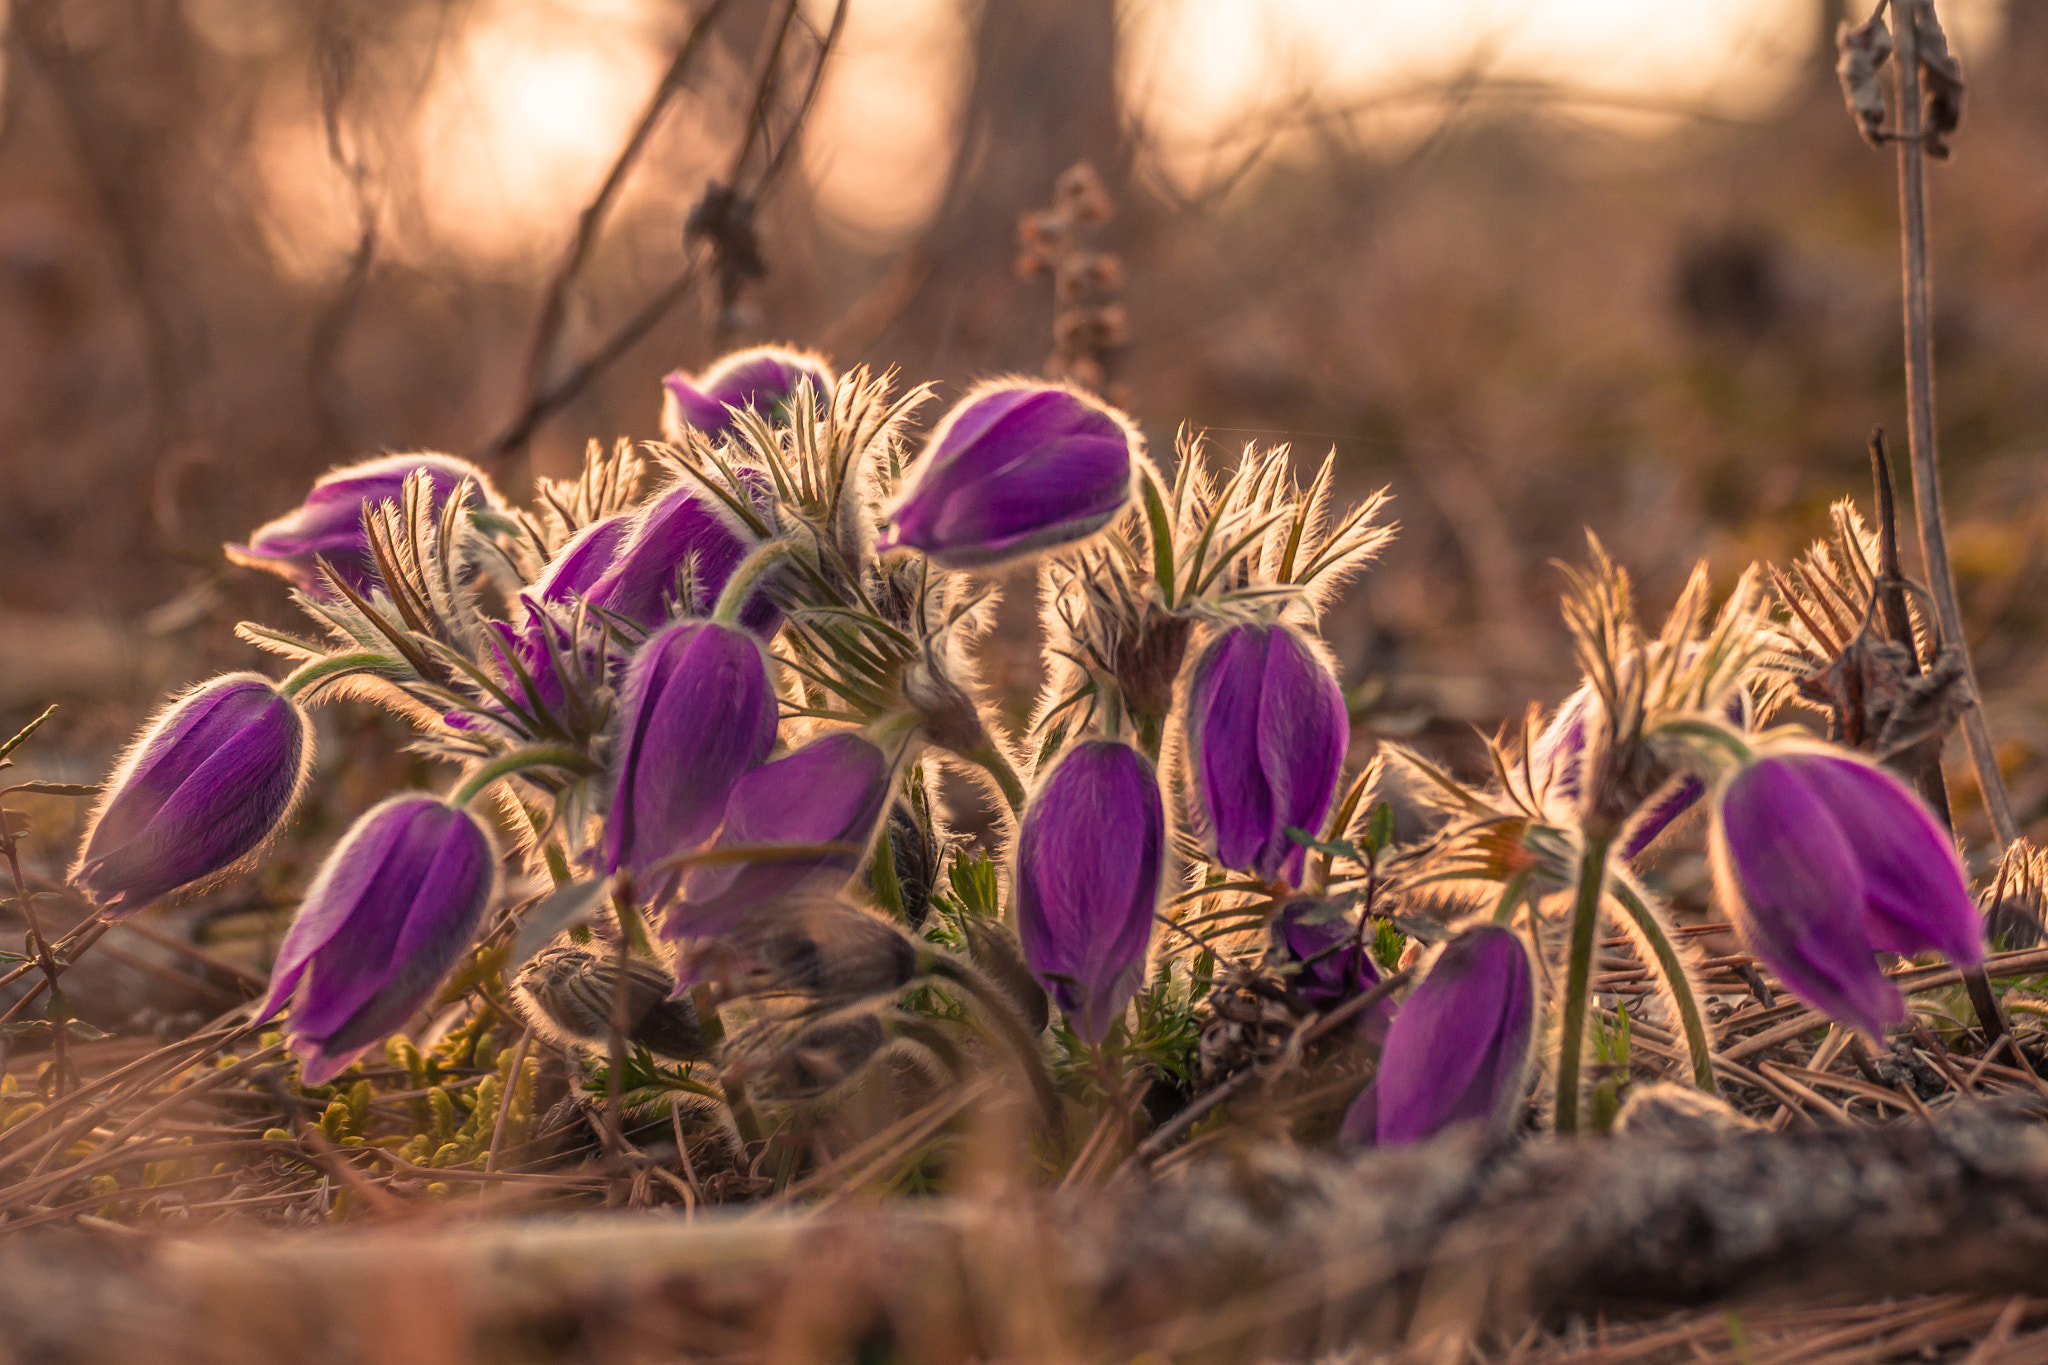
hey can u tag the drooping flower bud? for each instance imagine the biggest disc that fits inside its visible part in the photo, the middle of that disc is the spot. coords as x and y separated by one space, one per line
1822 859
1459 1049
329 524
762 379
1331 963
1267 730
1090 856
830 792
681 528
569 990
698 714
1014 468
392 909
201 788
581 561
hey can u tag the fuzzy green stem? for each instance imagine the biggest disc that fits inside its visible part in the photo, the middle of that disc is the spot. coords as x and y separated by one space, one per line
732 600
1579 979
1715 735
519 760
991 758
332 667
713 1027
1001 1016
1511 896
1689 1015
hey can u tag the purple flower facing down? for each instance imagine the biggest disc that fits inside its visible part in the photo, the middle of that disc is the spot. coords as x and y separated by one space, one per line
1557 756
329 524
1014 468
1267 730
1332 964
1459 1049
1090 856
391 910
698 715
580 562
685 525
201 789
1823 859
831 791
762 380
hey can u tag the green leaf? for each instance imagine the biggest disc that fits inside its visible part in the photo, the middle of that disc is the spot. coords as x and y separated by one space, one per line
1162 536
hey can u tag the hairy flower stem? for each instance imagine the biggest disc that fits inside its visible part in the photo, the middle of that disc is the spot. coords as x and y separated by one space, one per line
752 571
713 1027
519 760
1579 978
1652 930
1511 896
1001 1016
991 758
1920 431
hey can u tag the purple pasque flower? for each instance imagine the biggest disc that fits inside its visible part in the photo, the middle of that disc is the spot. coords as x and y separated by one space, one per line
1822 859
832 791
762 379
1090 856
201 788
1014 468
698 714
551 596
329 524
1459 1049
684 525
393 907
1332 962
1267 731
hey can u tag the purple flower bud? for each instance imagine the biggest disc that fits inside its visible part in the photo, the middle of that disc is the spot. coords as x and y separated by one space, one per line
698 715
580 562
1267 730
201 789
831 791
1014 468
1459 1049
568 576
1333 964
1916 894
683 525
1791 876
391 910
1090 857
762 379
329 524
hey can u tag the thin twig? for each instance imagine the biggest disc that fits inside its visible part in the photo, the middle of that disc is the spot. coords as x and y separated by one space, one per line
1919 314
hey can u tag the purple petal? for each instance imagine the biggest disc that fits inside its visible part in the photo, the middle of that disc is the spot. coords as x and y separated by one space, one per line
1014 470
203 788
1090 856
762 380
1788 873
1677 797
1917 897
681 523
1459 1048
831 791
699 714
1269 730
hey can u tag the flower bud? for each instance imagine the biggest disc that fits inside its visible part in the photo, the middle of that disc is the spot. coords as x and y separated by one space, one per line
829 950
392 909
1090 857
1459 1049
1267 731
1822 859
684 525
1331 963
831 791
569 990
1014 468
763 379
698 714
329 524
204 785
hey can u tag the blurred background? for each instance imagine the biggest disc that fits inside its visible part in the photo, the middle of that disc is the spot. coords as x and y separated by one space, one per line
1538 265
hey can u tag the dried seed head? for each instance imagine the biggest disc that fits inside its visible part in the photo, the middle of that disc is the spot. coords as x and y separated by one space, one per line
567 992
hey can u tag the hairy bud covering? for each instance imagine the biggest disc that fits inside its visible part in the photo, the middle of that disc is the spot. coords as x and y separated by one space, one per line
202 788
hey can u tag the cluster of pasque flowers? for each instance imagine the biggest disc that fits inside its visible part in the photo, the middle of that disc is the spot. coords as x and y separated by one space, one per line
710 705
